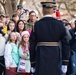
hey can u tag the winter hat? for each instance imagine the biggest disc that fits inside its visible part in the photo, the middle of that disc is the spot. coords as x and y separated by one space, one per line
25 32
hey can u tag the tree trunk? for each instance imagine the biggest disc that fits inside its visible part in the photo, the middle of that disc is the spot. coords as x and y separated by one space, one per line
14 5
8 8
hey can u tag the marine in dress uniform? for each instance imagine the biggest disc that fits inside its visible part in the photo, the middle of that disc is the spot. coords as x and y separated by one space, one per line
44 43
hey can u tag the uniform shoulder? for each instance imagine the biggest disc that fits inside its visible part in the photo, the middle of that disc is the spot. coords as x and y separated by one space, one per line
39 21
59 21
49 19
59 24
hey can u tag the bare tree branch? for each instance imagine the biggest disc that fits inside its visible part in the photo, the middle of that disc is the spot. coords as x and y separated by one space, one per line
34 3
3 2
68 10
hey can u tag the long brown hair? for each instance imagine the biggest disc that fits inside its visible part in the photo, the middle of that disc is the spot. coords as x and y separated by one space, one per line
21 43
18 25
8 39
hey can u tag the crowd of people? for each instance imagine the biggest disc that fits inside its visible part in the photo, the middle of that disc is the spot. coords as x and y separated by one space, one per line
15 46
14 41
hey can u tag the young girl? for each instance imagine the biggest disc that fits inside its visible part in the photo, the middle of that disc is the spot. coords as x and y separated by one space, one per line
11 54
24 64
11 28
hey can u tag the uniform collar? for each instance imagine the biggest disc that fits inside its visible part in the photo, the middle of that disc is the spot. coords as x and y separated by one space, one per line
48 15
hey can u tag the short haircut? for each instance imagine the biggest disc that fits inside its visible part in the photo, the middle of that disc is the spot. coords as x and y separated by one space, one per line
32 12
14 15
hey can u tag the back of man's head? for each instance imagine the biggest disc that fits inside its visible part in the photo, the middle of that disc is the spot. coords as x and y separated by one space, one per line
48 7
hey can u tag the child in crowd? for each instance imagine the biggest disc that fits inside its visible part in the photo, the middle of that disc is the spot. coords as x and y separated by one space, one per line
24 64
11 54
11 28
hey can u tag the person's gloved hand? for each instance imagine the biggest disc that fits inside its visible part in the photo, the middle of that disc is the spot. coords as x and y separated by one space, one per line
32 69
64 68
